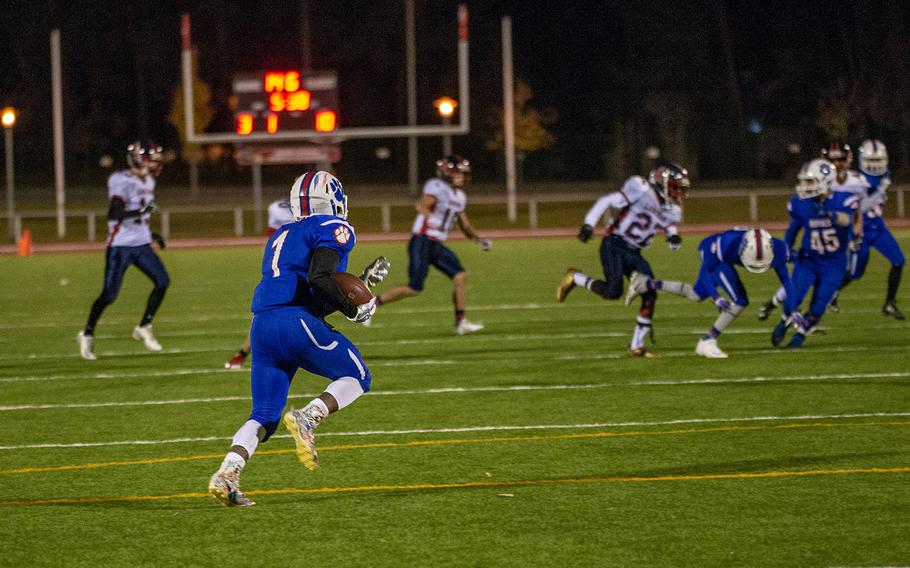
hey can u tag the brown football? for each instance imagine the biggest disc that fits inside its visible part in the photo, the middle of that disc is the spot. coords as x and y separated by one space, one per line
352 287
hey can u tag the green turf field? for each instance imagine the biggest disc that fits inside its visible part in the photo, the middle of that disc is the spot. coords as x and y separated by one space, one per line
534 442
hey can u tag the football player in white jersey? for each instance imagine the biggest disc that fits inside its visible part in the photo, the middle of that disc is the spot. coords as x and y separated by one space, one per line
439 209
279 215
642 207
132 202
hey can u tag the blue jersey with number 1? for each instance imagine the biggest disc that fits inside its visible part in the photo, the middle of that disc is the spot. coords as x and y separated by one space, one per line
824 239
286 261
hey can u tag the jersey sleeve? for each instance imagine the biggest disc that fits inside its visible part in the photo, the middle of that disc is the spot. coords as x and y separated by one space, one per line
672 218
435 188
118 186
337 235
615 200
794 226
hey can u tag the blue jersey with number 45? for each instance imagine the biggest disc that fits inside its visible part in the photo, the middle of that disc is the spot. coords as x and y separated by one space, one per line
286 262
827 226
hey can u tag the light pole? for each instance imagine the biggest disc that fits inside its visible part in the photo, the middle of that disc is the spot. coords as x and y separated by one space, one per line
8 117
446 106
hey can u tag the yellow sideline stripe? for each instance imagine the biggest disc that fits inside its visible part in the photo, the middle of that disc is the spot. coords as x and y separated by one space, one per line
468 485
585 435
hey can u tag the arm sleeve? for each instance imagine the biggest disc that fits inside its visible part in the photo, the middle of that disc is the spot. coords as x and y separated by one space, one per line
323 263
792 228
616 200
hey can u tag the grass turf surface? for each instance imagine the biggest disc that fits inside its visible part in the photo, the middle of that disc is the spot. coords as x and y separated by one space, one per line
534 441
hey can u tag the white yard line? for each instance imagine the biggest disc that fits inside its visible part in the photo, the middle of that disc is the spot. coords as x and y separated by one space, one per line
110 375
680 421
468 390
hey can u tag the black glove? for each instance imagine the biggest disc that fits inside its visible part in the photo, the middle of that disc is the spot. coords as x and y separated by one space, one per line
585 233
149 207
160 240
674 241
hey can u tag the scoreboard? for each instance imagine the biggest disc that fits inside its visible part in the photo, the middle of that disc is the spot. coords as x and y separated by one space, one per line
277 101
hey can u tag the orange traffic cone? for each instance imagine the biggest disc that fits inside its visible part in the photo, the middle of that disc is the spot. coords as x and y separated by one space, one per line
25 243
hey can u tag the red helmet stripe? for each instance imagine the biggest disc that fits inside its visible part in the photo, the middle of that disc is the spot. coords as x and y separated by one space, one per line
305 194
758 246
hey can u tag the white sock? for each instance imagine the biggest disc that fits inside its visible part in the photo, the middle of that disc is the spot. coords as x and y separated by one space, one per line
641 331
247 437
345 390
779 296
233 459
581 279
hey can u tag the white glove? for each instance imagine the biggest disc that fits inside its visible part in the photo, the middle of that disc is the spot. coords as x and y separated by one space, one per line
364 312
375 272
484 244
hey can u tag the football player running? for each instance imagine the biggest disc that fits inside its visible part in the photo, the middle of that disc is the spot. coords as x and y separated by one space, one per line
279 215
644 206
830 222
439 209
873 166
132 202
289 331
754 249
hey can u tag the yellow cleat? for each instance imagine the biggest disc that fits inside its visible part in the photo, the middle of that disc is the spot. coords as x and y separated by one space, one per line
301 429
566 285
642 352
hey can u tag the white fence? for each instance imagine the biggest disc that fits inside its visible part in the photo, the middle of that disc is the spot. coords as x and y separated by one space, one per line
385 206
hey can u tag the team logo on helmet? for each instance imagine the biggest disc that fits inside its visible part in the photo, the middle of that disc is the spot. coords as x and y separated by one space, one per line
815 178
318 193
671 182
873 157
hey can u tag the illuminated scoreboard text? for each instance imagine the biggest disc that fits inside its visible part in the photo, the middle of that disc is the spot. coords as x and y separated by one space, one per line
273 101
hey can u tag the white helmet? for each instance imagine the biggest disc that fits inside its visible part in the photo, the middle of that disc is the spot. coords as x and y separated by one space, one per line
756 250
815 178
318 193
873 157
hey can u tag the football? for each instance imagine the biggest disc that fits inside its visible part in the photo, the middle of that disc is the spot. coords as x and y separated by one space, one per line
352 287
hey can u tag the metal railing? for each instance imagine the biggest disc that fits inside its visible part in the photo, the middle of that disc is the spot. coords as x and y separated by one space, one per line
385 206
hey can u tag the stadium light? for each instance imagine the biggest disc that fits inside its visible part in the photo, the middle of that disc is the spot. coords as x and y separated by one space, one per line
446 106
8 118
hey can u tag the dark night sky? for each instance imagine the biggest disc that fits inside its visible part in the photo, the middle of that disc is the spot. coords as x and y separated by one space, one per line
619 76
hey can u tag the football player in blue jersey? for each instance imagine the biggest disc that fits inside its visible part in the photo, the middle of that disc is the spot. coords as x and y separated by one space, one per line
132 202
830 223
873 165
289 331
754 249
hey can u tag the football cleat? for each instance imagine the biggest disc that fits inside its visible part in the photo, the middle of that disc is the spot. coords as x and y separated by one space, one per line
86 346
890 309
237 361
302 424
765 310
833 307
796 342
225 487
566 284
464 326
144 334
638 284
642 352
707 347
780 331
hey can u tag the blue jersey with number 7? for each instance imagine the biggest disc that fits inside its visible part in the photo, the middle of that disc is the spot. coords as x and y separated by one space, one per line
827 226
286 262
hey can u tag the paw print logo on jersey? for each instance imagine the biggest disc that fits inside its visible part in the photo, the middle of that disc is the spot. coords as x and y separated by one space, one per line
342 234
